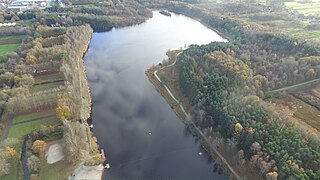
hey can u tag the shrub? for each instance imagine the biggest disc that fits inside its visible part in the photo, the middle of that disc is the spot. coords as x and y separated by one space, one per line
63 112
39 147
5 164
33 164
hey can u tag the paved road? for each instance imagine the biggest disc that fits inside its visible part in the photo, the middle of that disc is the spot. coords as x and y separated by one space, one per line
189 120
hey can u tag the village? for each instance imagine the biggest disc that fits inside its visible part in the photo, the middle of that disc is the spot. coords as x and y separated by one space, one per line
23 5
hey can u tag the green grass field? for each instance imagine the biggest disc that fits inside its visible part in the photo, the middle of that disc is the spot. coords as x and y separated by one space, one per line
6 48
25 117
304 8
20 130
10 43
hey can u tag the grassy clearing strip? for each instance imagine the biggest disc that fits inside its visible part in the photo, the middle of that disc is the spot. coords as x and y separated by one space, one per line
48 78
42 87
11 39
10 43
20 130
26 117
6 48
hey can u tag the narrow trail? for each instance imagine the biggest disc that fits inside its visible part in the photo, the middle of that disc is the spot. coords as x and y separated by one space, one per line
191 123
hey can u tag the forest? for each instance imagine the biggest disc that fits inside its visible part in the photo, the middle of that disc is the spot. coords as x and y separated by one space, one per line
227 85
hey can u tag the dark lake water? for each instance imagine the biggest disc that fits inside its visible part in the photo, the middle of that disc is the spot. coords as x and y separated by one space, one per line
126 107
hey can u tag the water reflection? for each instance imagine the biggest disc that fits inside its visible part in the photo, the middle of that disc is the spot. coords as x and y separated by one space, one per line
126 107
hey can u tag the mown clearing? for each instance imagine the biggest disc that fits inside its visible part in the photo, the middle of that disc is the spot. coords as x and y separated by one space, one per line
20 130
25 117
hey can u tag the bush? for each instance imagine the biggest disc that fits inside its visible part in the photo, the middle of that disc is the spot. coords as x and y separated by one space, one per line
5 164
39 147
33 164
63 112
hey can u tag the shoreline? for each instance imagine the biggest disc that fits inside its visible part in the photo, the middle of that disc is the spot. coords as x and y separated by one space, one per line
203 23
84 116
198 134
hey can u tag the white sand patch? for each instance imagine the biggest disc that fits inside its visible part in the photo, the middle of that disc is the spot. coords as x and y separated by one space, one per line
87 172
55 153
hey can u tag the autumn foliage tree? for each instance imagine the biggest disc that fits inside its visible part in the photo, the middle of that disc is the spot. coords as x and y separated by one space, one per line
63 112
11 151
39 147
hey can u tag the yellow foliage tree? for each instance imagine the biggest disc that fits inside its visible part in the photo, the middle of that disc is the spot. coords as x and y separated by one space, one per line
238 129
272 175
11 151
31 59
311 73
63 112
39 147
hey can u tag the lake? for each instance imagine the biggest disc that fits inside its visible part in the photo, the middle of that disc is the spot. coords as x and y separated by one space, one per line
140 133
